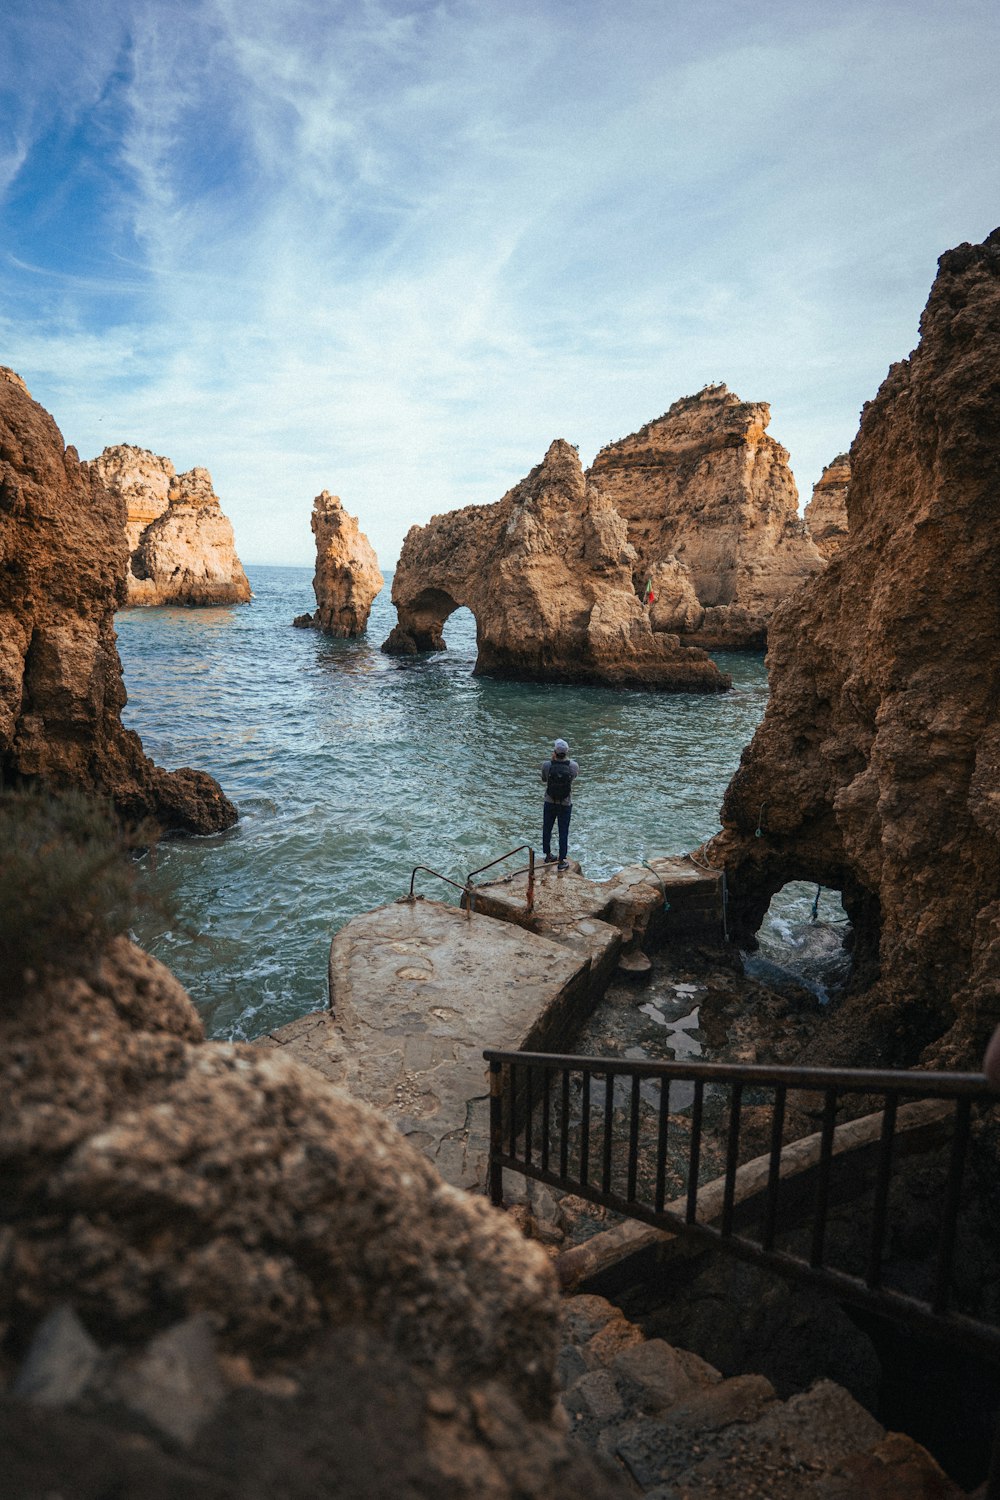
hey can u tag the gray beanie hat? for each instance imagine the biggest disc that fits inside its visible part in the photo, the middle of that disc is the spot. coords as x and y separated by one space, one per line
560 747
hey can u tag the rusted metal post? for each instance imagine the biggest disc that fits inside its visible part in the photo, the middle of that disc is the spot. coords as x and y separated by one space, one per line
496 1134
530 905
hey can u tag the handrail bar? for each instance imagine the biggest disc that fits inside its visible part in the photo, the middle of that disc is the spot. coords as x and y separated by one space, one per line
499 860
428 871
857 1080
530 898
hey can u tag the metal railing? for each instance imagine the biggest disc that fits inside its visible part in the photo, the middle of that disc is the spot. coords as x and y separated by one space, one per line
468 890
529 868
426 869
618 1133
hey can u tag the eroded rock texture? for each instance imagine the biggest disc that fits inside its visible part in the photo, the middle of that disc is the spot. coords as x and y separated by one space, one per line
876 769
548 573
181 546
347 577
711 510
151 1177
826 513
63 555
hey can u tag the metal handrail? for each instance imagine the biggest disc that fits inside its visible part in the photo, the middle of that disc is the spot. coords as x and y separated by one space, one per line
531 1125
437 873
530 898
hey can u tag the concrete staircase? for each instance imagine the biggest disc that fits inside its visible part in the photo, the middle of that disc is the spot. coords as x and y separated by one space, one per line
678 1430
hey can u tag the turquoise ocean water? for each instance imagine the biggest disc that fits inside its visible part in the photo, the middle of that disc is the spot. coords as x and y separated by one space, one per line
350 767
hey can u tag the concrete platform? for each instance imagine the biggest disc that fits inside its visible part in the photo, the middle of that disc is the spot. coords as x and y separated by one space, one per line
632 903
417 991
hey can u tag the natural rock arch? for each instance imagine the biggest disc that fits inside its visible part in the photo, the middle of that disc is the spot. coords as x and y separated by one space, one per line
426 615
548 574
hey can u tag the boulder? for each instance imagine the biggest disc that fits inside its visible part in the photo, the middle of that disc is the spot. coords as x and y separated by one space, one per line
181 546
826 513
711 509
876 768
220 1219
347 577
548 573
63 549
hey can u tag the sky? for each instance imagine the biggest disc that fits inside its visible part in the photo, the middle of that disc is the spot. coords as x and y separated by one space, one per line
393 249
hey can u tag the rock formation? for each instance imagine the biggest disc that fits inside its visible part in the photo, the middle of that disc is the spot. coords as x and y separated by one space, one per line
712 512
212 1239
181 548
63 549
548 573
826 513
347 576
877 765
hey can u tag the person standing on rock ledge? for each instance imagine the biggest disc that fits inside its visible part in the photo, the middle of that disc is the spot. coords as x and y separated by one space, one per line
558 773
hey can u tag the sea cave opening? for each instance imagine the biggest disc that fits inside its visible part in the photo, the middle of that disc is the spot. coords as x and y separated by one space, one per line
805 938
459 631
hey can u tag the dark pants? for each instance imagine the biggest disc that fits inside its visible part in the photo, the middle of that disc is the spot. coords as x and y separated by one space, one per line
550 812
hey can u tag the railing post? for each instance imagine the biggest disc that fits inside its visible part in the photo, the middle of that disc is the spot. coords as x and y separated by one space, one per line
949 1215
496 1134
531 881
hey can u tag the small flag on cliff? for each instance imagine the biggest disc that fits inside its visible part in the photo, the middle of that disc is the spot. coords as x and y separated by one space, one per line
650 597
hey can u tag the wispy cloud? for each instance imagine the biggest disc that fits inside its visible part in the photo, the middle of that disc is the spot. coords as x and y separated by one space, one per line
393 248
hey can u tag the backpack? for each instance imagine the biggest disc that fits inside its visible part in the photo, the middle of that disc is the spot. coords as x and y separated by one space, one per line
559 781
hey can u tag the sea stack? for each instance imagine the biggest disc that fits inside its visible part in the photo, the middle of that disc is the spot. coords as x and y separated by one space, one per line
62 540
826 513
548 573
347 577
712 512
876 768
181 546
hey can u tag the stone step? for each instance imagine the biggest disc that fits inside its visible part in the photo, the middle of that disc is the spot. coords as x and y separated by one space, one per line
679 1430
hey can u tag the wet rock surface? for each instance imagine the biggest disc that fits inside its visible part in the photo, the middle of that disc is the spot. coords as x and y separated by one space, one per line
181 545
63 548
347 576
712 513
874 771
548 573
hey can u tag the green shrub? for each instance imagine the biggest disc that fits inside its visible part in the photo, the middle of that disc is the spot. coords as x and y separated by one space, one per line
68 883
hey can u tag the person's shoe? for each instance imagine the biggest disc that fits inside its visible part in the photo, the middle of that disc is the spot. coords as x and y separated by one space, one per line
563 864
550 859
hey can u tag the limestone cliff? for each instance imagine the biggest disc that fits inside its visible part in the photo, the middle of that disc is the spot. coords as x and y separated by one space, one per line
181 546
279 1234
63 555
548 573
877 766
347 577
826 513
711 510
